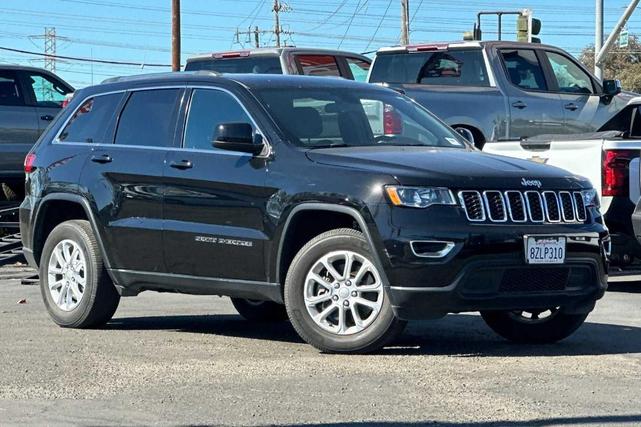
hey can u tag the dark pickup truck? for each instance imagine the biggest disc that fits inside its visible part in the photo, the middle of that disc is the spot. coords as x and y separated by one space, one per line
496 91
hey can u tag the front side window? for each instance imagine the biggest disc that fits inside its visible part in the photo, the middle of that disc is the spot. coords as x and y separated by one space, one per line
10 89
569 76
318 65
451 68
335 117
359 68
92 121
47 91
210 108
149 118
524 69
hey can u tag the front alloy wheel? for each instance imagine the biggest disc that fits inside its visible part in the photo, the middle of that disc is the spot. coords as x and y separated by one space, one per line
335 297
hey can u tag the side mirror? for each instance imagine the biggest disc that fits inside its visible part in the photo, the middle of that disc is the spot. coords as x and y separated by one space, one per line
611 87
238 137
465 133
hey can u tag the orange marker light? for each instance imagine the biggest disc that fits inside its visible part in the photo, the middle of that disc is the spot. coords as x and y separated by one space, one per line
393 196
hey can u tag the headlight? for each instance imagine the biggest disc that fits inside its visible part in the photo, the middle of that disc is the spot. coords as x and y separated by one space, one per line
419 197
591 198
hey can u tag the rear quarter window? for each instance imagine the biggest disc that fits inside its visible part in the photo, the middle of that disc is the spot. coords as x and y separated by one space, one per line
448 68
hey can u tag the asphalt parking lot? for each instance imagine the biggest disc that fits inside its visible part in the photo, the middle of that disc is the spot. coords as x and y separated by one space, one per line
177 359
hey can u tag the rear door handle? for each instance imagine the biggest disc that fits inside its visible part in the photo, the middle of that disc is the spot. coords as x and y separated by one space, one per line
103 158
46 117
181 164
520 105
571 106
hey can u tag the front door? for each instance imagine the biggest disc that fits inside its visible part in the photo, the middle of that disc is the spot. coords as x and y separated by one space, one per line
47 94
534 108
215 199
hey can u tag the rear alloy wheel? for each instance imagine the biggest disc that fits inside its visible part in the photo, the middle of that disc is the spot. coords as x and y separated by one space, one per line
259 311
534 326
335 297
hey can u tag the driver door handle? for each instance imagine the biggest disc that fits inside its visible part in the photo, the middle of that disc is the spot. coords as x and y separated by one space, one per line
181 164
520 105
103 158
571 106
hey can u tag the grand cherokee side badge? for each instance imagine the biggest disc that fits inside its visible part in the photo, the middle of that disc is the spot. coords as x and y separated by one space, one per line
531 183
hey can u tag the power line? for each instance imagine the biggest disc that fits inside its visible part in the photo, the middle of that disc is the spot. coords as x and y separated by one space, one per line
74 58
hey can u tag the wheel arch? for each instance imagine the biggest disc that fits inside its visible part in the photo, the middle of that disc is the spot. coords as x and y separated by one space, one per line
80 209
283 258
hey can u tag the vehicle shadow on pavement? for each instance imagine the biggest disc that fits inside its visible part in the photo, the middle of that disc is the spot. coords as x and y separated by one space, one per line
629 287
462 335
537 422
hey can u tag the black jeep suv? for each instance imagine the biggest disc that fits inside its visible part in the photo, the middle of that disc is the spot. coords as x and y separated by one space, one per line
344 206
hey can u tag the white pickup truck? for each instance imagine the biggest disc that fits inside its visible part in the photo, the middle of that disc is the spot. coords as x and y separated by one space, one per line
610 160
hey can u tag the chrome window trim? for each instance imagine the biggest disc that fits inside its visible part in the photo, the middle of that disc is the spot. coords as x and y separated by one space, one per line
462 200
487 205
439 254
266 153
509 205
547 208
529 208
572 202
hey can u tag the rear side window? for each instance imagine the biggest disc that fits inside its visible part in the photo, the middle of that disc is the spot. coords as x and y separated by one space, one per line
249 64
10 89
93 121
524 69
449 68
359 68
317 65
149 118
210 108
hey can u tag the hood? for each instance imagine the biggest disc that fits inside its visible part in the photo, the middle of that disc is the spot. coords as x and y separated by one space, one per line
453 168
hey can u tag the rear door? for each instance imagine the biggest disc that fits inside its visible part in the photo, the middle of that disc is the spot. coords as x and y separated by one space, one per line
535 108
215 199
577 92
18 124
125 178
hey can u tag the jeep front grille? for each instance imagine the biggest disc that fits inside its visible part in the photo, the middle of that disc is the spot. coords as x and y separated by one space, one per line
528 206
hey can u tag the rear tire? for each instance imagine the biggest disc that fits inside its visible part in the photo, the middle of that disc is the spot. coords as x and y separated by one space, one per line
528 327
259 311
74 283
342 308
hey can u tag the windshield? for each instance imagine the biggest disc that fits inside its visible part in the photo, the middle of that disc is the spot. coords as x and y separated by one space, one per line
336 117
245 65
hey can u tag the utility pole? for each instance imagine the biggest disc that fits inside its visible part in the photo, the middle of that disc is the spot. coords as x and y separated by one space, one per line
256 37
405 22
598 37
277 9
256 32
175 35
50 49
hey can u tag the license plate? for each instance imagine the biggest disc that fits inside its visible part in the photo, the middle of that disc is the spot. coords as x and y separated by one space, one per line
545 249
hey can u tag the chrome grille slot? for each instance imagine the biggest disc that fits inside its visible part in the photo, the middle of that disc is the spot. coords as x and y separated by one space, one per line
567 206
495 206
581 213
534 206
516 206
473 205
551 205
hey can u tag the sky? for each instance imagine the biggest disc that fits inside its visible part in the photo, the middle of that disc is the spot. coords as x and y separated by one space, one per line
140 30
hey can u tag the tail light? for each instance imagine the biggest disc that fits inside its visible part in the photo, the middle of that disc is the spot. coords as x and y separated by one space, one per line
67 100
392 122
615 172
28 163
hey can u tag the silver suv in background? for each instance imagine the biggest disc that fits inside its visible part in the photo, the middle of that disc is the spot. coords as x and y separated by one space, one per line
501 90
30 98
286 60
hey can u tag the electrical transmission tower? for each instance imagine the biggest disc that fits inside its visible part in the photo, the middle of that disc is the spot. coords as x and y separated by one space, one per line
50 49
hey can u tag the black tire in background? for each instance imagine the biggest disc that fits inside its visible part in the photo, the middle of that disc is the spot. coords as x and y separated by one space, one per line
259 311
100 298
513 326
384 328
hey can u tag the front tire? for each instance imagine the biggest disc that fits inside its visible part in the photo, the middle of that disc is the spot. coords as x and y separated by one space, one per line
74 283
259 311
335 298
533 326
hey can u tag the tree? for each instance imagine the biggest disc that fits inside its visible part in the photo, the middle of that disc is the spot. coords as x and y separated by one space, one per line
620 63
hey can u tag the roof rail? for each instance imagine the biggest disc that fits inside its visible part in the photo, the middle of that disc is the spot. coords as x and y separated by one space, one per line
136 77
